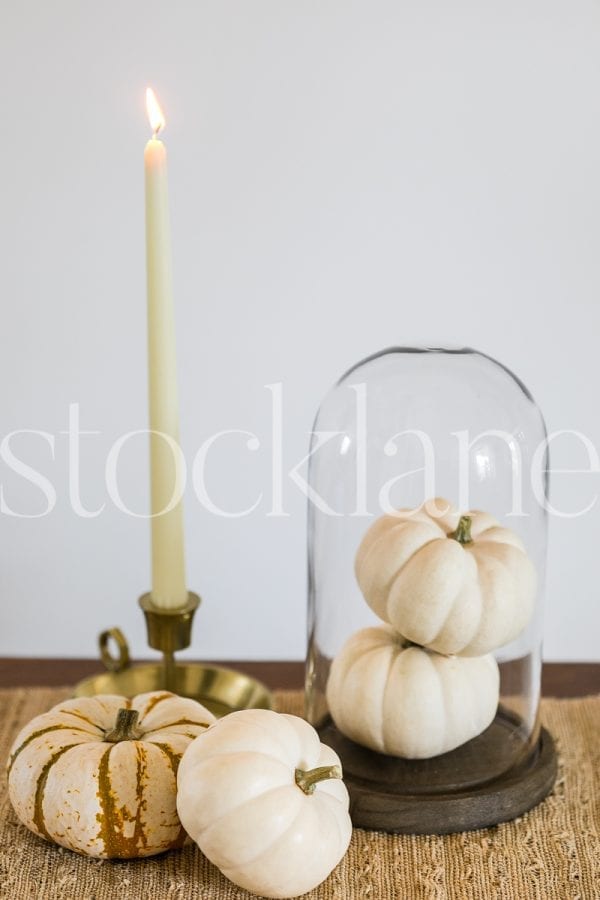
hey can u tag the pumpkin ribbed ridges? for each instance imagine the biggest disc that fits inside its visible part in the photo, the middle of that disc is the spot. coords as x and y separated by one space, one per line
174 758
33 736
38 809
112 816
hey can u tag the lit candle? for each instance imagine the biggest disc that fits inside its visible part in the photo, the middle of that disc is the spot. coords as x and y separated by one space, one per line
168 558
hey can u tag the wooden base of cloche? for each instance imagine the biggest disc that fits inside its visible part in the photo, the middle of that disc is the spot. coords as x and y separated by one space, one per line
471 787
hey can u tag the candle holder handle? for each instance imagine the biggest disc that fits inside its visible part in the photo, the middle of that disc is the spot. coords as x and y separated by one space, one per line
114 663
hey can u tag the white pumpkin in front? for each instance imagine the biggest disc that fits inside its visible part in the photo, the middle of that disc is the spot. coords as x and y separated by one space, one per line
402 700
455 584
264 800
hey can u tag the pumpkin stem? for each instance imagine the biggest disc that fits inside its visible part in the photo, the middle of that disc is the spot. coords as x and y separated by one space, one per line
125 727
309 780
463 531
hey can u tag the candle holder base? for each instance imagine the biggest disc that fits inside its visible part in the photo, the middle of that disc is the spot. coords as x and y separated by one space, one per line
221 690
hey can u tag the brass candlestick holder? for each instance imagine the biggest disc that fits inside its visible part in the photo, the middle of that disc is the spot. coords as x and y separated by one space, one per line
221 690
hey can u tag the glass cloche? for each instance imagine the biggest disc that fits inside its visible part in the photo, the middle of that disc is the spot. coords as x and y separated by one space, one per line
426 545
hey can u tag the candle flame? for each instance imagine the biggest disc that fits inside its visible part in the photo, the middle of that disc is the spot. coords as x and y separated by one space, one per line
155 113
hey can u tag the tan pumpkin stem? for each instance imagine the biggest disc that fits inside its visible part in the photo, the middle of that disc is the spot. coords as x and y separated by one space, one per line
309 780
463 531
125 727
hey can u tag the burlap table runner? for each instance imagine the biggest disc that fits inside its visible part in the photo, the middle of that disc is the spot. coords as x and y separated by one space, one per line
552 852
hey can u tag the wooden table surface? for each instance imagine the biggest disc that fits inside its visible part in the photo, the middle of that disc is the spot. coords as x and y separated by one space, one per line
558 679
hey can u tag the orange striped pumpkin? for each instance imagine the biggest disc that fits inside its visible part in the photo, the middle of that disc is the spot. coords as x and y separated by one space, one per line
98 775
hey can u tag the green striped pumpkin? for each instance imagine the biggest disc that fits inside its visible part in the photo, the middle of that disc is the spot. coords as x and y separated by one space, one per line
98 775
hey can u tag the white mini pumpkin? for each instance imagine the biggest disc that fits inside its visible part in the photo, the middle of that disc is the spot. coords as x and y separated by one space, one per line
98 775
455 584
264 800
393 697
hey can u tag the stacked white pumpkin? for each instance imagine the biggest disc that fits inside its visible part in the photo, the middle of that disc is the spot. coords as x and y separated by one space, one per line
450 589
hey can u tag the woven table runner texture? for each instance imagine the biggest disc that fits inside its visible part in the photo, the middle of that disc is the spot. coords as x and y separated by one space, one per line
551 852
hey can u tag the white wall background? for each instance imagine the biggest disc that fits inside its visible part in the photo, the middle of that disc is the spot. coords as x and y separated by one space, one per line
344 176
